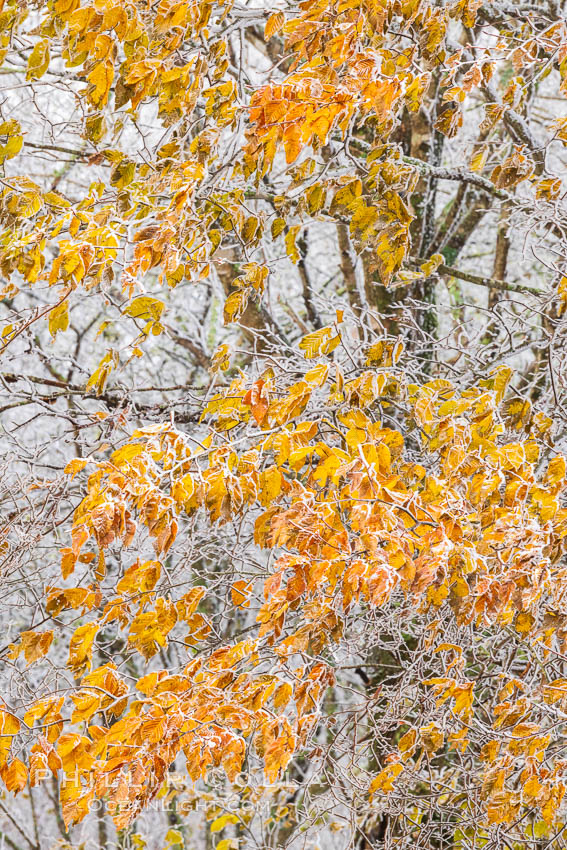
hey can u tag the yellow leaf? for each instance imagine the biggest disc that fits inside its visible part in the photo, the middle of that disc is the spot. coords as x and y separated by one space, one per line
478 160
75 752
220 822
100 79
34 645
221 359
489 751
250 228
235 305
385 779
270 485
14 142
555 691
290 246
431 737
458 740
317 375
126 454
38 61
312 343
463 696
273 25
450 120
316 199
406 744
292 142
24 204
278 226
100 376
524 622
240 591
75 466
81 648
145 307
86 704
9 725
555 470
140 577
432 264
59 318
532 787
52 199
15 776
12 147
282 695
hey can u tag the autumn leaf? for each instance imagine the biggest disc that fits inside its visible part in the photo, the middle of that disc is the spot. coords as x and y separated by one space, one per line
59 318
100 79
38 61
274 25
240 592
14 775
145 307
220 822
81 647
34 645
385 780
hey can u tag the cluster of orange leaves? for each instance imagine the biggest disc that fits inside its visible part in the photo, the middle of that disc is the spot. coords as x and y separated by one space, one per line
473 526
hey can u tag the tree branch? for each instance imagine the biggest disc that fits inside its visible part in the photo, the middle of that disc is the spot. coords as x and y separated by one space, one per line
314 317
489 282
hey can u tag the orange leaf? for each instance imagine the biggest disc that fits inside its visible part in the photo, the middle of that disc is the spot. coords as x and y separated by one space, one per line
15 776
273 25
